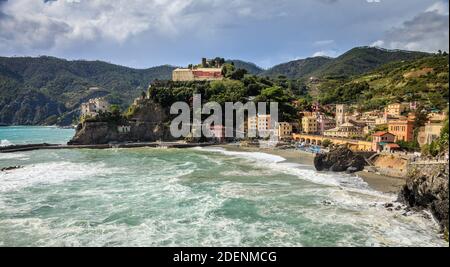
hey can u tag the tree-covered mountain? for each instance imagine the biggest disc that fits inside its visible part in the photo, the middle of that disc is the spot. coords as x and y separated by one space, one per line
298 68
356 61
48 90
424 80
251 68
34 89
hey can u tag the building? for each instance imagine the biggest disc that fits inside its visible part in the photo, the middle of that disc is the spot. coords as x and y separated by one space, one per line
430 132
264 127
94 106
346 130
197 74
402 129
379 139
341 111
396 109
209 70
252 126
309 124
218 133
284 130
324 123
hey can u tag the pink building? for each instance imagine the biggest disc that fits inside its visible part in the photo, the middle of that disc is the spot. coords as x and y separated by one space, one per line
380 139
218 133
324 123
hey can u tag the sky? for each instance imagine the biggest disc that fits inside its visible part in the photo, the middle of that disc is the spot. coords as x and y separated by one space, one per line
146 33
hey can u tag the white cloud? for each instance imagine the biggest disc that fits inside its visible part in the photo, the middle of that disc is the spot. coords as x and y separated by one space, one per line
428 31
378 43
325 53
440 7
35 24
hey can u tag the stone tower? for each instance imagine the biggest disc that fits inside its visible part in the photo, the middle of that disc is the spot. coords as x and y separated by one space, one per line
341 110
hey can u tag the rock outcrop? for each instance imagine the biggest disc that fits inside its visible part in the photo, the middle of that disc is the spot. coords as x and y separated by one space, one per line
147 124
427 188
340 159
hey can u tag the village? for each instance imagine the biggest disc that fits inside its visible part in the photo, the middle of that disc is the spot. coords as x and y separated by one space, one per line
386 130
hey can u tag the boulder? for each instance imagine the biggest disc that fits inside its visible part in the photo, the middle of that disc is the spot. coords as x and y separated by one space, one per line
340 159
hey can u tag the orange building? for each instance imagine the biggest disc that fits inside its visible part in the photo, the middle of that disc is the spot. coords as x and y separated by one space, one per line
402 129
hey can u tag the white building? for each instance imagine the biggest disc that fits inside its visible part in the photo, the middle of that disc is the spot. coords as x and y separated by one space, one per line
94 106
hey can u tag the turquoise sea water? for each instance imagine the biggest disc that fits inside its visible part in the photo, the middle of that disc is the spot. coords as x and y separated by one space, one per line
34 134
192 197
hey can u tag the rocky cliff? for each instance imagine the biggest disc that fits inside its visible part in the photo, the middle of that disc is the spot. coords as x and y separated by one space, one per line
339 160
147 123
427 188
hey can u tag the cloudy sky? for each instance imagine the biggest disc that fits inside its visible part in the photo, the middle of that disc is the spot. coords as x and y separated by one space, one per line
144 33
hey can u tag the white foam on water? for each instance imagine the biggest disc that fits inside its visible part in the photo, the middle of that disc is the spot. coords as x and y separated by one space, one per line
5 142
259 156
50 173
13 156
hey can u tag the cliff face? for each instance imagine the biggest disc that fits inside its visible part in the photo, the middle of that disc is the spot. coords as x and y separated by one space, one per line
147 124
427 188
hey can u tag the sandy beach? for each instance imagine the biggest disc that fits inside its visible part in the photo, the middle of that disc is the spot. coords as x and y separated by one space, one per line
377 182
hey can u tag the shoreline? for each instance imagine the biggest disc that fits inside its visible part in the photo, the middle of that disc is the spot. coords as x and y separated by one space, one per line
381 183
385 184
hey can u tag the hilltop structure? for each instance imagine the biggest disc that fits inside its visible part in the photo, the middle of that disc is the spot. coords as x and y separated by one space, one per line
94 106
208 70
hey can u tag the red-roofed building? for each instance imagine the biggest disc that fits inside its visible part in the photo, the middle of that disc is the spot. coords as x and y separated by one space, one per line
381 138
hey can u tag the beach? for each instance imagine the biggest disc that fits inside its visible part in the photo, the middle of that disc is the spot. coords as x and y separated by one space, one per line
375 181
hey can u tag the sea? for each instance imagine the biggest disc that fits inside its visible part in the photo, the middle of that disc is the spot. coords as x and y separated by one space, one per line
189 197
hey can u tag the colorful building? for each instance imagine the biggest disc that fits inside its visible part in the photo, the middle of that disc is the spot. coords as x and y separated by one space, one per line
209 70
197 74
284 130
264 126
324 123
396 109
309 124
346 130
380 139
402 129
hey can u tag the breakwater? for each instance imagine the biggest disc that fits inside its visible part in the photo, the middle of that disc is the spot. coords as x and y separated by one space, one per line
30 147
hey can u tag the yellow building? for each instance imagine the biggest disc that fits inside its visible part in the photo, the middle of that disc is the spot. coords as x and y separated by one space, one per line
284 130
396 109
309 124
346 130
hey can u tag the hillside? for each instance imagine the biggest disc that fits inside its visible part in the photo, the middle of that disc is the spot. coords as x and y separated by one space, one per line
424 79
250 67
298 68
34 89
48 90
356 61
